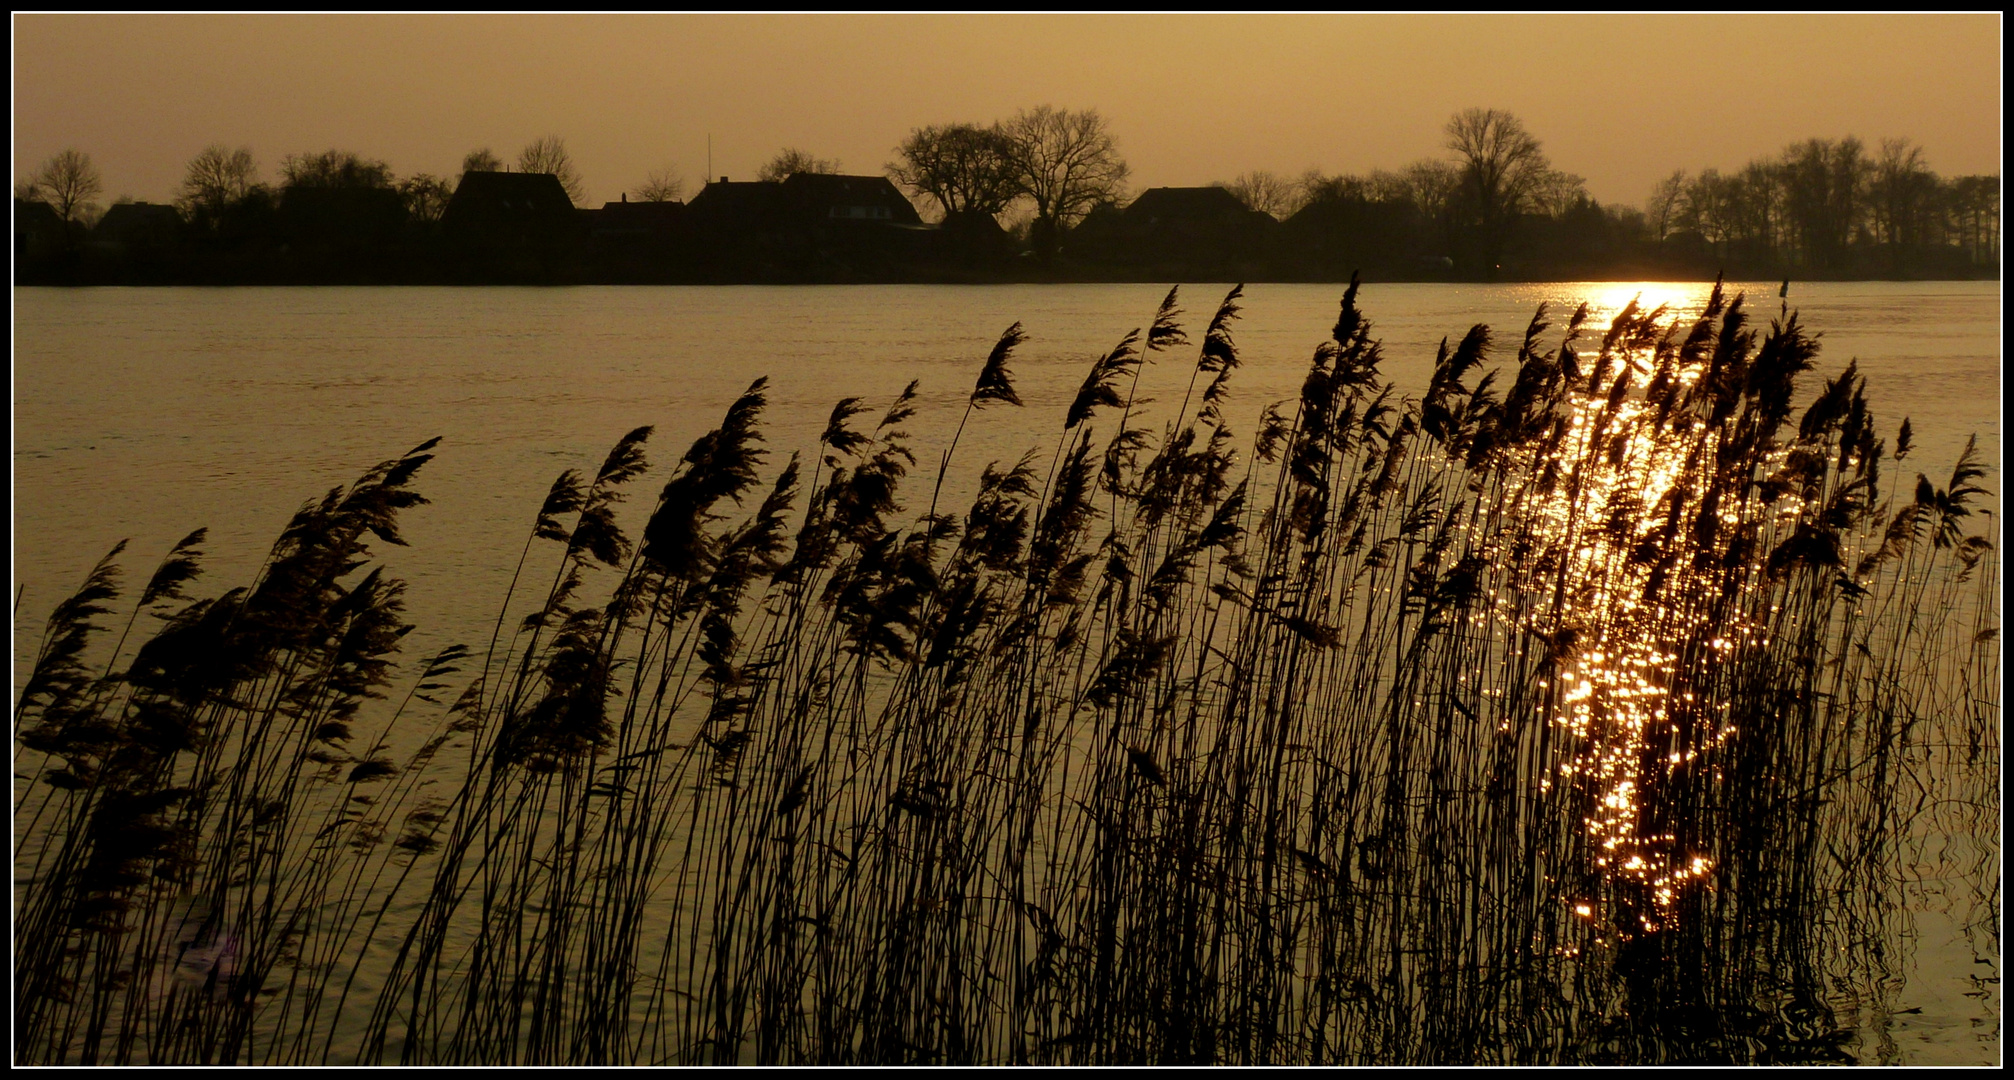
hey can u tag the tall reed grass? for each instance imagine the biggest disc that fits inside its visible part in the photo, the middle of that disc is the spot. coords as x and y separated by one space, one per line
1587 709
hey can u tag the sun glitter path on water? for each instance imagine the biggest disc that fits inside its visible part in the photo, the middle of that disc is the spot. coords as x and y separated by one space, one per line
1633 586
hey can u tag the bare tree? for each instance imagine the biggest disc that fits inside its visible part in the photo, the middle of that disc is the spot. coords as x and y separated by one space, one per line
1501 166
1268 192
1381 185
1558 193
549 155
662 185
1316 185
1975 208
1665 200
1825 192
1901 192
1708 207
792 160
217 177
1433 187
1068 163
426 196
963 168
482 160
334 169
68 182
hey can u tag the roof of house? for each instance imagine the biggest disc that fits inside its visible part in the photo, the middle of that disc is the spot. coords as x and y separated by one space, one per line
804 197
828 194
1187 204
517 195
624 218
33 215
738 201
125 220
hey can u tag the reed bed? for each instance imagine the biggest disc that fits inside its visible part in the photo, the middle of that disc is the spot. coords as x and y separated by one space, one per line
1587 709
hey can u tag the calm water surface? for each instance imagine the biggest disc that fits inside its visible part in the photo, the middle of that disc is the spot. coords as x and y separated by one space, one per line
143 414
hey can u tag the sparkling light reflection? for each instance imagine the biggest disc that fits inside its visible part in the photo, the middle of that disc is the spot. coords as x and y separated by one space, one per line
1682 299
1635 582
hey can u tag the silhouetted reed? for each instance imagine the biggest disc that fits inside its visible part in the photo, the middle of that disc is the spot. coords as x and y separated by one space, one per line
1590 714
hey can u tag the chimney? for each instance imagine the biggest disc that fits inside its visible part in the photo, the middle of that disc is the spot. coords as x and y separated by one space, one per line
723 179
625 196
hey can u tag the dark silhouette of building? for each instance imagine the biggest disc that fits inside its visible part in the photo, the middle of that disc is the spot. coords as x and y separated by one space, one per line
138 226
973 241
341 227
635 220
511 227
835 200
502 207
1332 237
809 226
39 232
1176 233
136 243
639 241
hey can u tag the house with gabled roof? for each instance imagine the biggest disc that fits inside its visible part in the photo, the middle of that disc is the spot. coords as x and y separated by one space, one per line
638 241
512 226
132 225
503 207
1175 232
808 226
39 231
628 221
834 199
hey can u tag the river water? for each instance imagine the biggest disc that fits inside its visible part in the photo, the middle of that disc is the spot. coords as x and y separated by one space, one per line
142 414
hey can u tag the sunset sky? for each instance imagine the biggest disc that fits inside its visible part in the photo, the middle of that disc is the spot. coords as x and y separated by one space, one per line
1620 100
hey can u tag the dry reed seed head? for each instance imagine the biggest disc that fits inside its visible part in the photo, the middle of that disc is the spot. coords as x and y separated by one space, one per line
795 792
372 769
762 541
996 381
1143 763
1528 351
58 680
625 460
570 717
901 410
1101 385
566 496
996 526
1349 322
596 534
1620 328
183 565
837 435
1274 426
720 465
1165 332
1134 659
371 621
1785 354
1068 512
1120 455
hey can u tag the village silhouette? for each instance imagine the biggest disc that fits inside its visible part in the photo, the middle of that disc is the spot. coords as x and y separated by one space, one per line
1494 210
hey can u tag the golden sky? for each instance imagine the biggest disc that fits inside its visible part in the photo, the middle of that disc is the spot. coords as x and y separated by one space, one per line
1621 100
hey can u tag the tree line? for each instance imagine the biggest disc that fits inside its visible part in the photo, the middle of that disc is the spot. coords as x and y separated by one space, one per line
1827 204
1493 205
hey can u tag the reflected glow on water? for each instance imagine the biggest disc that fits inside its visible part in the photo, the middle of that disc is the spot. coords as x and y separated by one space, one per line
1680 298
1620 622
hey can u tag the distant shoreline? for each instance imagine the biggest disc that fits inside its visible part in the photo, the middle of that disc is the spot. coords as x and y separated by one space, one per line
1649 274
